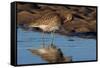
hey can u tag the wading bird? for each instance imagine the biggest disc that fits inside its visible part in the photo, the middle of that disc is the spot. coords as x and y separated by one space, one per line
48 22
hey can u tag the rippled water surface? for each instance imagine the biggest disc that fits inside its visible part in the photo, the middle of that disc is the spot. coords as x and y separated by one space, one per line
80 49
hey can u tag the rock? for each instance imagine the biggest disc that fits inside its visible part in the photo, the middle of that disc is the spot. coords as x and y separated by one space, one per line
82 29
25 17
25 7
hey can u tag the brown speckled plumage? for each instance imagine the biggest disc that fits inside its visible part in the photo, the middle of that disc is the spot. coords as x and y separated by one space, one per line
51 20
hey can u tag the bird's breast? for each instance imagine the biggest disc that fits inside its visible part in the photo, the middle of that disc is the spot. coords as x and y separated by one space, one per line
48 28
43 27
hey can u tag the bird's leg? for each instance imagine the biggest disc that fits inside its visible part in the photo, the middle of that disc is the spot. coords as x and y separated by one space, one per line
52 41
43 41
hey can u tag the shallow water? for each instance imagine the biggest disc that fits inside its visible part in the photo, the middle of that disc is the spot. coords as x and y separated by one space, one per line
79 48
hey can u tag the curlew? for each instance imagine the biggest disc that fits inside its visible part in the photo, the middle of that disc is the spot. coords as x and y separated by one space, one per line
48 22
